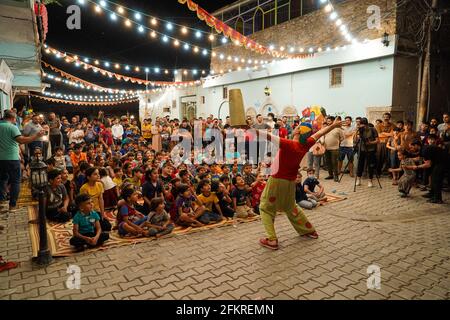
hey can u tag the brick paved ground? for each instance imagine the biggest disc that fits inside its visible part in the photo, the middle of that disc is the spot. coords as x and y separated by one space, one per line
407 238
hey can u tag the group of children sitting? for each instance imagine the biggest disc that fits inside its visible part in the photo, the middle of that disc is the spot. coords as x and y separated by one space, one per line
152 196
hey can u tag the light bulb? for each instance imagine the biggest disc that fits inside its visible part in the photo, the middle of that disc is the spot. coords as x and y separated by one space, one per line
205 52
103 3
153 34
186 46
224 40
184 30
120 10
211 37
169 26
98 9
198 34
154 21
328 7
128 23
141 29
333 15
138 16
113 16
176 43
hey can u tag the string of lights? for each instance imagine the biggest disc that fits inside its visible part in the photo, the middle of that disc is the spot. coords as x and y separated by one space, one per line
78 63
83 103
138 19
118 66
90 98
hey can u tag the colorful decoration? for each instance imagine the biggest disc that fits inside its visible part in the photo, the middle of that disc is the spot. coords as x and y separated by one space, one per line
40 10
315 115
234 35
84 103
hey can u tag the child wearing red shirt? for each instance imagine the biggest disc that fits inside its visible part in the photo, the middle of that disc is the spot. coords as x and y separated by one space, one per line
257 190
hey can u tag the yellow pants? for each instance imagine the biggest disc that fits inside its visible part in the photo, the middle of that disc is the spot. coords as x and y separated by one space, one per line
279 196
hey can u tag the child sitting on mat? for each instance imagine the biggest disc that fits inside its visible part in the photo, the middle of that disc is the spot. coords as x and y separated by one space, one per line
129 220
86 225
158 220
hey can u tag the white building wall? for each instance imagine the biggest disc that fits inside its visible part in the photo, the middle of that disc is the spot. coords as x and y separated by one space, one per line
365 84
368 73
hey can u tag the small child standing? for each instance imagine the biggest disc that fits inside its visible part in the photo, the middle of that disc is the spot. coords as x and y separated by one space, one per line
158 220
257 190
300 196
111 194
129 220
60 159
86 225
241 201
406 181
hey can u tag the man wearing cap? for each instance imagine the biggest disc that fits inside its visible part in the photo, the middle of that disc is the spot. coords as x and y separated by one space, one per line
10 158
279 193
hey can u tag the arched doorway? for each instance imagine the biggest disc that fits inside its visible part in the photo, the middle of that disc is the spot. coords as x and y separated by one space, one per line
269 108
251 112
289 112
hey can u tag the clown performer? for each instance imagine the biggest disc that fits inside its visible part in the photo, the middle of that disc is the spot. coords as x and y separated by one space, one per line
279 194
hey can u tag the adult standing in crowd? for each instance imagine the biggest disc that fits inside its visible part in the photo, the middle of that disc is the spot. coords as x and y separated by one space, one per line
332 142
367 141
31 129
444 131
346 147
117 132
262 146
10 171
385 132
55 130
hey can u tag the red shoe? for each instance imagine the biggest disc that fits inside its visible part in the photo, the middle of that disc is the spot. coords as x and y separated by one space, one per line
265 243
7 265
312 235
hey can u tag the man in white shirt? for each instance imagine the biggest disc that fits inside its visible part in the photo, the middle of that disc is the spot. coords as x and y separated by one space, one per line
346 148
332 142
31 129
117 132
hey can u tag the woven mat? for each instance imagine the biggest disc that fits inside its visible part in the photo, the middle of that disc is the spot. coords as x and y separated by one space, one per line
59 234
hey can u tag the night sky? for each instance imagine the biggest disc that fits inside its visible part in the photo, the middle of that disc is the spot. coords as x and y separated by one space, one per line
102 38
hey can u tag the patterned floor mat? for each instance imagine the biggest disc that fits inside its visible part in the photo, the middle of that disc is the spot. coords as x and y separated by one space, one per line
60 234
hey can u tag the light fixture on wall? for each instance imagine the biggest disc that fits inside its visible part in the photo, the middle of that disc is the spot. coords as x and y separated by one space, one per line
385 40
267 91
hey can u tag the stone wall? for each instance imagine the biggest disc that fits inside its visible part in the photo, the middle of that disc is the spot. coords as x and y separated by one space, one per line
314 30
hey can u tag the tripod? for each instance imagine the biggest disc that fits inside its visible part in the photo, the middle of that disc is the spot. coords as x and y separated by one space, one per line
360 143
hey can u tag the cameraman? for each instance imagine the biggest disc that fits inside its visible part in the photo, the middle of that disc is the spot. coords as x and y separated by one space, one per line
367 147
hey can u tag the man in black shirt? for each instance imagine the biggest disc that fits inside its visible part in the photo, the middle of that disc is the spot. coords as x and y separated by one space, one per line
368 140
437 159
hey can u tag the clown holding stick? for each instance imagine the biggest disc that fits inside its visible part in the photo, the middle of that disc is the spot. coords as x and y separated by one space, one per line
279 194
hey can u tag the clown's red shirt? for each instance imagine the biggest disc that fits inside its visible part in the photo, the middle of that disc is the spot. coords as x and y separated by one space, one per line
289 156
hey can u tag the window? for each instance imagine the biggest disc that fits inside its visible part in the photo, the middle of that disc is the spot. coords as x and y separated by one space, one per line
166 109
258 20
336 77
225 92
240 25
203 99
